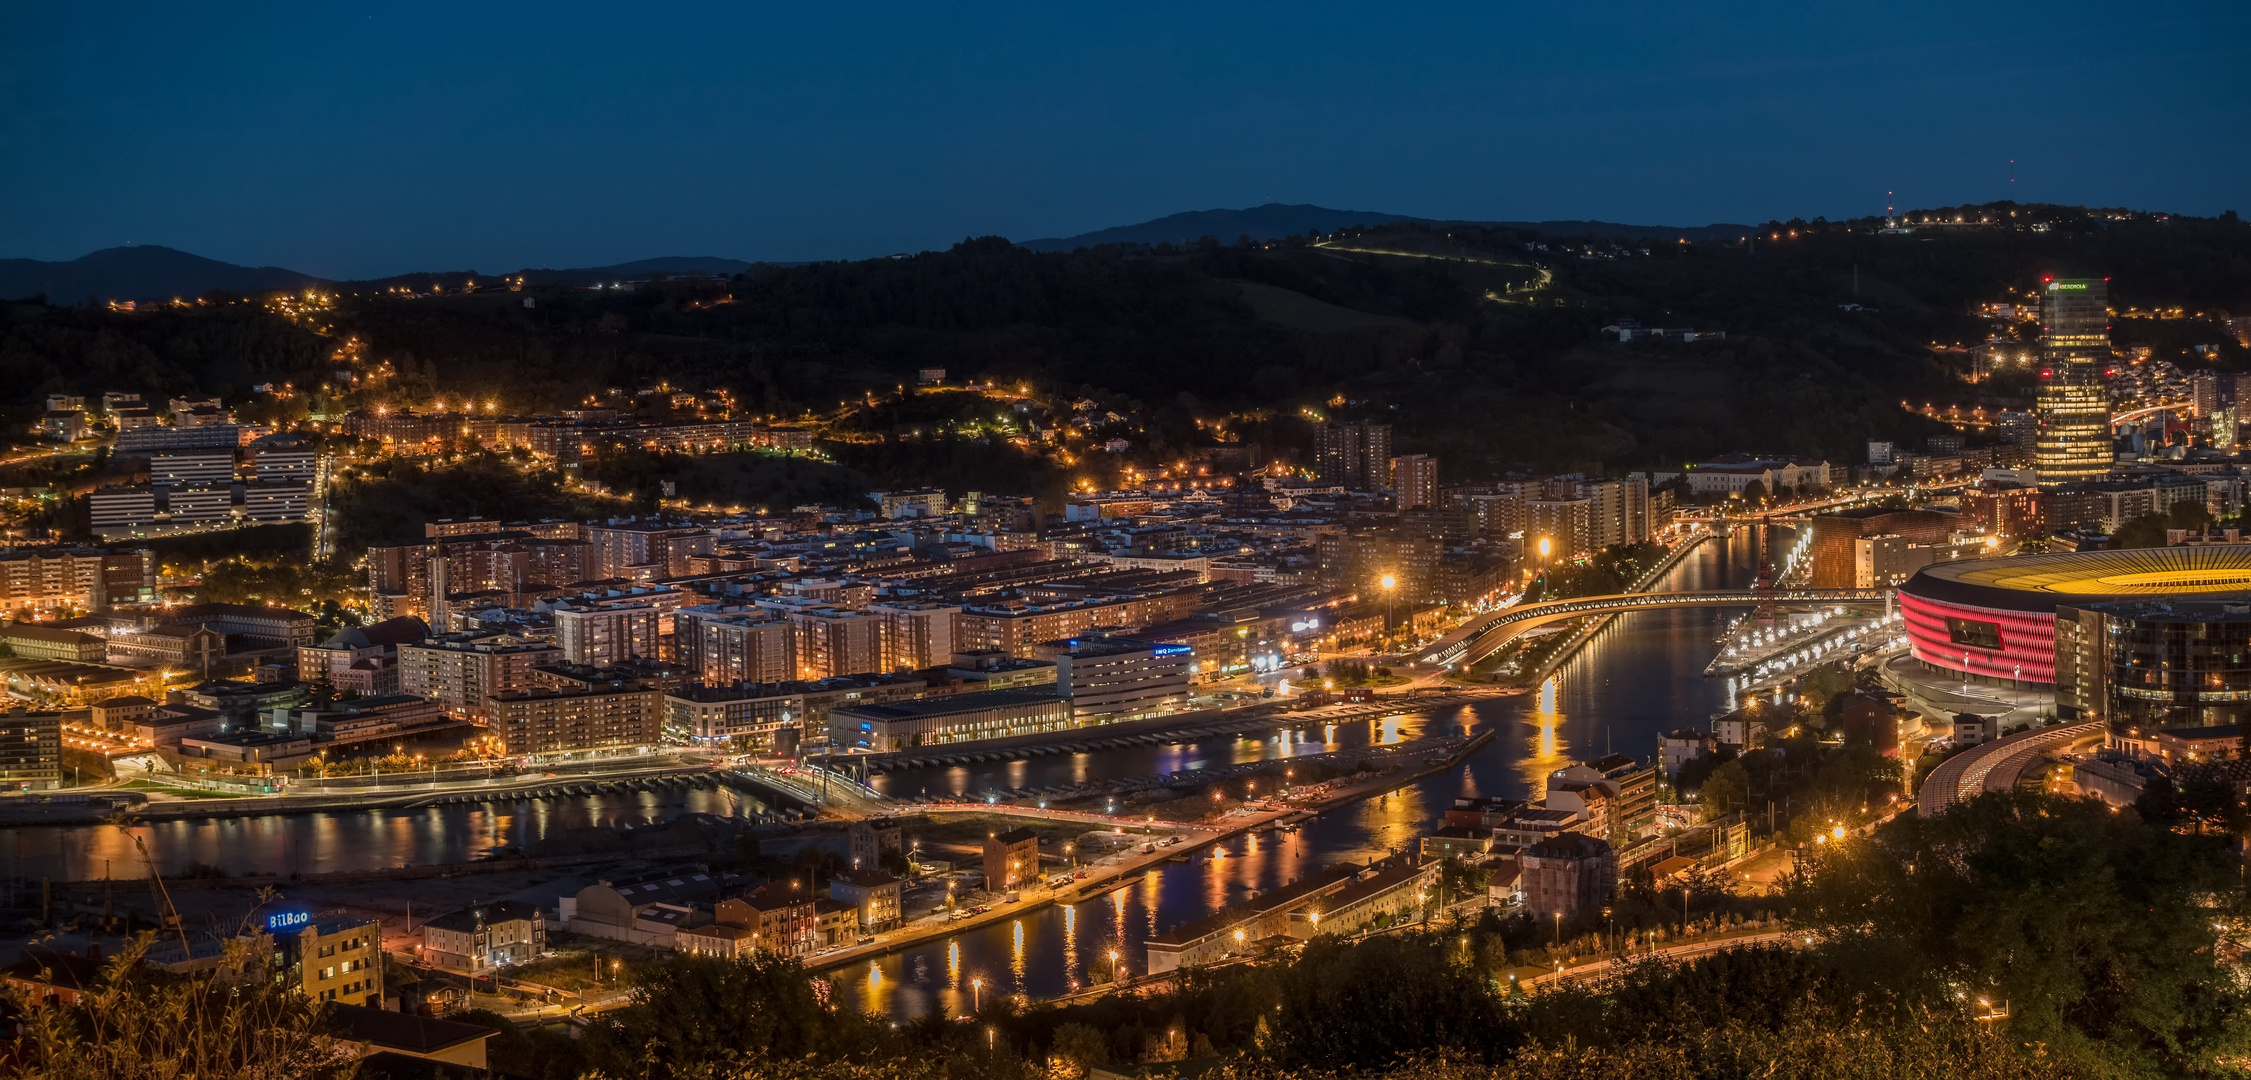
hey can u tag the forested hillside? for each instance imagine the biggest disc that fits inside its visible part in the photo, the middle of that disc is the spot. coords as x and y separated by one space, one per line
1478 343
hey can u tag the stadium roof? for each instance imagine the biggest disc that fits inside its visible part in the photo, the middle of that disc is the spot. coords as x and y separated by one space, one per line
2042 582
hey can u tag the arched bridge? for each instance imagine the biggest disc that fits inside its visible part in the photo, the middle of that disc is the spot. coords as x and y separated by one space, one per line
1477 639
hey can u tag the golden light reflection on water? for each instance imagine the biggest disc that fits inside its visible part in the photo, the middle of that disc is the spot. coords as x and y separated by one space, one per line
1071 943
1016 953
877 997
1545 750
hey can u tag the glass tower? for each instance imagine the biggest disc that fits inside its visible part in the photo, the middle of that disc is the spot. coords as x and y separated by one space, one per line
2072 441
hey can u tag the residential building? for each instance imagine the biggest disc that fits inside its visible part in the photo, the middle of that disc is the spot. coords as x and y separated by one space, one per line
917 503
915 635
361 659
873 893
462 670
84 578
1355 455
1011 859
870 839
1567 872
601 635
544 720
781 917
834 641
724 644
336 959
1617 511
485 937
31 750
1414 481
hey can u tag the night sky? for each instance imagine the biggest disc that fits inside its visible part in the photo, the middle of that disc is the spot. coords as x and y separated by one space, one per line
388 138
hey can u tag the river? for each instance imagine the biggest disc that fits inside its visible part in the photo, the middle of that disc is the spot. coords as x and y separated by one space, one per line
1641 676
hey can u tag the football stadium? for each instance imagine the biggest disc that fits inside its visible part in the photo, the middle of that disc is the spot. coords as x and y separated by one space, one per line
1995 619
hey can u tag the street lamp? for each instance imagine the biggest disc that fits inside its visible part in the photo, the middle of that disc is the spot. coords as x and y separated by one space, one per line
977 995
1390 589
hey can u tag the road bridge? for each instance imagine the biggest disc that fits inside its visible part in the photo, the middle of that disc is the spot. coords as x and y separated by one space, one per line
1483 634
1995 766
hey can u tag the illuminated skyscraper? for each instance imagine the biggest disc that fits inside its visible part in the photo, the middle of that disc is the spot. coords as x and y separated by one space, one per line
2075 320
2073 439
2073 406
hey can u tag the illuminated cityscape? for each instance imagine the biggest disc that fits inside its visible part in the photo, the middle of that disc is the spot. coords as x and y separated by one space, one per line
944 633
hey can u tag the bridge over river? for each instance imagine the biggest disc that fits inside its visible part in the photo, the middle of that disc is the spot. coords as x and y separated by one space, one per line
1483 634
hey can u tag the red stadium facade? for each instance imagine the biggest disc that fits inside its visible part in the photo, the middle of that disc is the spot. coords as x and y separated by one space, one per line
1988 643
1995 619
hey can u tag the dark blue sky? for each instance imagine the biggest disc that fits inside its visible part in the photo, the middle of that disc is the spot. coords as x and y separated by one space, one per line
397 137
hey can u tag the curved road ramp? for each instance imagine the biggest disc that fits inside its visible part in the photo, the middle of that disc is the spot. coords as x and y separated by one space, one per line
1995 766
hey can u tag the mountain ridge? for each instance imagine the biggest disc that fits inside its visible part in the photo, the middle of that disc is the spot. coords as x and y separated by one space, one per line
154 272
146 272
1274 220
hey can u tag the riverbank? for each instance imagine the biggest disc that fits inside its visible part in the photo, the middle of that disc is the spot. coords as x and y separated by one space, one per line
607 777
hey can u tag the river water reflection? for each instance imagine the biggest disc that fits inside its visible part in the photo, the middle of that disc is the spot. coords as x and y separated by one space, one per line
1641 676
1638 678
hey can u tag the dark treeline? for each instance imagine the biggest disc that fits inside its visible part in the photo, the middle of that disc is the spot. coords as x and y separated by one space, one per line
1477 348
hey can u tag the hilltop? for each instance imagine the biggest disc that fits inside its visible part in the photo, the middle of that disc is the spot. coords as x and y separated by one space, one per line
1483 344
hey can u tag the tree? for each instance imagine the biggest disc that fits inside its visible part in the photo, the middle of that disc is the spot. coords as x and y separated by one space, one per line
1075 1049
1755 491
1372 1004
693 1013
1727 790
137 1021
2096 928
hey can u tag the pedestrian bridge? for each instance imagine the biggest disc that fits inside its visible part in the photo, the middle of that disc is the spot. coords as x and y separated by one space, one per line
1478 638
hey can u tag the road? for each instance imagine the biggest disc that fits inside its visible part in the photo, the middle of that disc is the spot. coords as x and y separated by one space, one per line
1686 950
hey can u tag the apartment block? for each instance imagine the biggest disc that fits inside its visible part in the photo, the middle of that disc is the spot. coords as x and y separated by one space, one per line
546 720
461 671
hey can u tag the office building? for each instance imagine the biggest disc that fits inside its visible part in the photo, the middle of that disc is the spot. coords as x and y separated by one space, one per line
1355 455
2072 408
2075 320
982 714
2071 440
765 718
1111 679
1414 481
